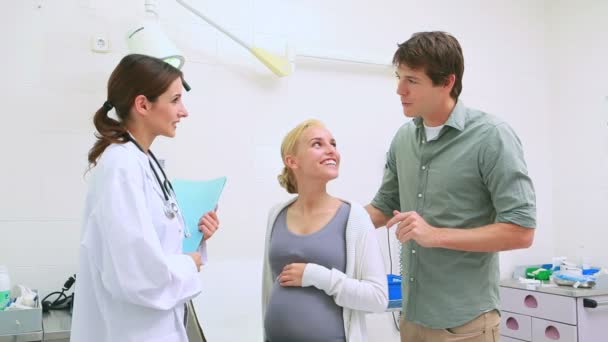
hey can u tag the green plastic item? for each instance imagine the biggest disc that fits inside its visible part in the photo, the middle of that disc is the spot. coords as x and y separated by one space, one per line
538 273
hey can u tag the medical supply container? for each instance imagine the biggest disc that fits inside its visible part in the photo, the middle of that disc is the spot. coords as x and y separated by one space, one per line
5 287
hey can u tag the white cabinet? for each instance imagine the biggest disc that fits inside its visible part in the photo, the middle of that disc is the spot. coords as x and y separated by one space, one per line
549 314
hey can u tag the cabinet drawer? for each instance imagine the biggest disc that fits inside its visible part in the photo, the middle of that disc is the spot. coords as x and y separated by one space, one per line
547 331
508 339
537 304
14 322
515 325
592 322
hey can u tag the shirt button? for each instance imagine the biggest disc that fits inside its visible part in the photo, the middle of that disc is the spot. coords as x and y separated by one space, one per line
419 195
412 279
423 167
413 251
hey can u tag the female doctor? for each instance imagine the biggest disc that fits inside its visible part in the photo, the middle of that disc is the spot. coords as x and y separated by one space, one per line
133 279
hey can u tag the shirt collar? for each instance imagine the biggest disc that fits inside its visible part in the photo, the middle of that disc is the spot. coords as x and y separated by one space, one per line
457 118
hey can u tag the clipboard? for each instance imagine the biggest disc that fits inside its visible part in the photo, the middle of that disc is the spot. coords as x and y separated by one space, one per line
195 199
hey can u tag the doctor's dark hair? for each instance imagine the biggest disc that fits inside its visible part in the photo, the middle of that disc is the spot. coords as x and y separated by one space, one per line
289 146
437 53
135 75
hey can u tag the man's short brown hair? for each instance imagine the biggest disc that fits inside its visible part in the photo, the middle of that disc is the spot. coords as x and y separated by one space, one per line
438 53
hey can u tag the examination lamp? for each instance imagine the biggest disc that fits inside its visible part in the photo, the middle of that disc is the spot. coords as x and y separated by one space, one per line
149 39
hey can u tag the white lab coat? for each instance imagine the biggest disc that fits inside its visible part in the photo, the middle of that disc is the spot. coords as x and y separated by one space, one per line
133 279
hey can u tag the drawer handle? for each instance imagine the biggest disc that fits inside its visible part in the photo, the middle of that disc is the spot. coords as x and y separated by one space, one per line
512 323
530 302
592 303
552 333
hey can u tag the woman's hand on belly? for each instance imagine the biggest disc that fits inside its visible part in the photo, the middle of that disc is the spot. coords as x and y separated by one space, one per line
292 274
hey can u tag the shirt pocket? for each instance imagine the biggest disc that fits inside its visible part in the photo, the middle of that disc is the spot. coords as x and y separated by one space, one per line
456 186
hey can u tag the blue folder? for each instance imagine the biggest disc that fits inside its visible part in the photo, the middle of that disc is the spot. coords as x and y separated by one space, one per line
195 199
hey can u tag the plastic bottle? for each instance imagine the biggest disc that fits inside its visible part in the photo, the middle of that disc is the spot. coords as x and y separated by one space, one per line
583 259
5 287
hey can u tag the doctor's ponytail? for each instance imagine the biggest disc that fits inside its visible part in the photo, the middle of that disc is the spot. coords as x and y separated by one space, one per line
109 131
135 75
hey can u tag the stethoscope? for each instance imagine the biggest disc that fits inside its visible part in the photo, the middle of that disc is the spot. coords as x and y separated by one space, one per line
170 207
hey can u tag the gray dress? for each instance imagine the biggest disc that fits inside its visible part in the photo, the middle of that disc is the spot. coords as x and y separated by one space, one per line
305 314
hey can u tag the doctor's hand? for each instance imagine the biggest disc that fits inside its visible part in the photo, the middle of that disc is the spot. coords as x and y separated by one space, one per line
196 257
208 224
292 274
413 227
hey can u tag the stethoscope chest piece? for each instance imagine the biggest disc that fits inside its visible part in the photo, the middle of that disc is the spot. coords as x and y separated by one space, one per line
170 210
170 206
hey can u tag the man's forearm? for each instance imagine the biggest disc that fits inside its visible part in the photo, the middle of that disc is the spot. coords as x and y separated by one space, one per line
491 238
377 216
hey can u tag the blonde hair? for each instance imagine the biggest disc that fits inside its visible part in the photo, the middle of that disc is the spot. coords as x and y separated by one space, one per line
290 143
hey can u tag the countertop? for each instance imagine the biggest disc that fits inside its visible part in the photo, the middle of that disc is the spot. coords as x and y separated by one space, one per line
600 289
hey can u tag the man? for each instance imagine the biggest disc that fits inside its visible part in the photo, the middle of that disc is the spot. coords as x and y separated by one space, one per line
457 185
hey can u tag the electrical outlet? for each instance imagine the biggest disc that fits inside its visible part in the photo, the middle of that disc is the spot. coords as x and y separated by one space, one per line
100 43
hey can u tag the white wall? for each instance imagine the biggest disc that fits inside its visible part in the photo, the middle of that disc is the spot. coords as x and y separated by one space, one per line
239 113
579 126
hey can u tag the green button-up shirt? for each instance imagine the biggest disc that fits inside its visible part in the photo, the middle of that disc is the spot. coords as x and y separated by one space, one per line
473 174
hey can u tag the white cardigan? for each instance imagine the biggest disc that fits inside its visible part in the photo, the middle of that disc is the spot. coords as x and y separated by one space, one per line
362 289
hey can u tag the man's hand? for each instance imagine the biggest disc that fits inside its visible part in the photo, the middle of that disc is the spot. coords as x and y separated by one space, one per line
413 227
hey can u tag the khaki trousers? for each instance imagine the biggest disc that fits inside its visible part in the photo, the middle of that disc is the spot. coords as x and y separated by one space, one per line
193 327
483 328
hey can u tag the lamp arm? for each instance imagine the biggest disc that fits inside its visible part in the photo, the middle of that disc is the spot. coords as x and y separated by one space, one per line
346 59
212 23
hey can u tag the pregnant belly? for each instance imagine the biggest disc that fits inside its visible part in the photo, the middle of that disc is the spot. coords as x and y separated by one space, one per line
302 314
